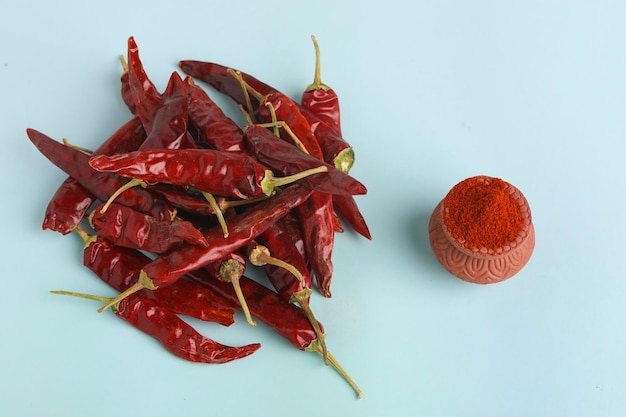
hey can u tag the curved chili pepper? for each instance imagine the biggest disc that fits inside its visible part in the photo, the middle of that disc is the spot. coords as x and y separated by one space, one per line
219 77
319 98
347 207
176 335
210 124
216 172
169 124
71 201
120 267
129 228
287 319
288 160
316 218
100 184
287 270
145 95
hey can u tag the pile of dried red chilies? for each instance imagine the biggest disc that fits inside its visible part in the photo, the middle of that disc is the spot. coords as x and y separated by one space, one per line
177 203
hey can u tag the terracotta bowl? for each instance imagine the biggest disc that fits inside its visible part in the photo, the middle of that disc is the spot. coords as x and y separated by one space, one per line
483 265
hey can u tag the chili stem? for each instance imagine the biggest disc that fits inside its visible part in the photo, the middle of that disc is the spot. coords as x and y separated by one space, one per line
226 204
270 181
124 64
246 91
78 148
82 295
335 364
87 238
270 107
144 282
292 135
315 347
231 271
218 211
302 298
317 78
260 255
130 184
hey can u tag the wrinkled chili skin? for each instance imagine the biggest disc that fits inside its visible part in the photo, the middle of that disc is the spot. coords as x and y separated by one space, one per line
347 207
169 124
178 337
221 173
145 96
287 319
288 160
126 227
209 123
324 103
286 110
331 142
67 207
101 184
71 201
217 76
243 227
119 268
316 218
281 246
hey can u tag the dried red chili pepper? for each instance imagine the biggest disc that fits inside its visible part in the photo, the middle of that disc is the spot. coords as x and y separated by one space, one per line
216 172
67 207
210 124
71 201
176 335
129 228
316 217
219 77
287 319
288 160
125 92
347 207
167 269
145 95
100 184
287 271
169 125
320 99
336 150
119 267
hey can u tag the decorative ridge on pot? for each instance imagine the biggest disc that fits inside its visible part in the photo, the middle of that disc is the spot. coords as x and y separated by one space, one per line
482 231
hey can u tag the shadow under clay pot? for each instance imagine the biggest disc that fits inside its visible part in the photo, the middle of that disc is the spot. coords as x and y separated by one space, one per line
481 264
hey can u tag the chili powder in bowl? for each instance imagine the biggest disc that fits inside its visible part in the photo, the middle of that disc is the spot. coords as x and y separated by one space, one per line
482 231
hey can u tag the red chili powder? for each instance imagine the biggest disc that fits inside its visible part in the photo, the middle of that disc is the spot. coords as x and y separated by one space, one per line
480 212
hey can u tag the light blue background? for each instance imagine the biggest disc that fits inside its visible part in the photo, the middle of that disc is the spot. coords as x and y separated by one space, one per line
533 92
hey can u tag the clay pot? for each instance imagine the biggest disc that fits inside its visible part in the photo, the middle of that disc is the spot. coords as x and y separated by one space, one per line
482 265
